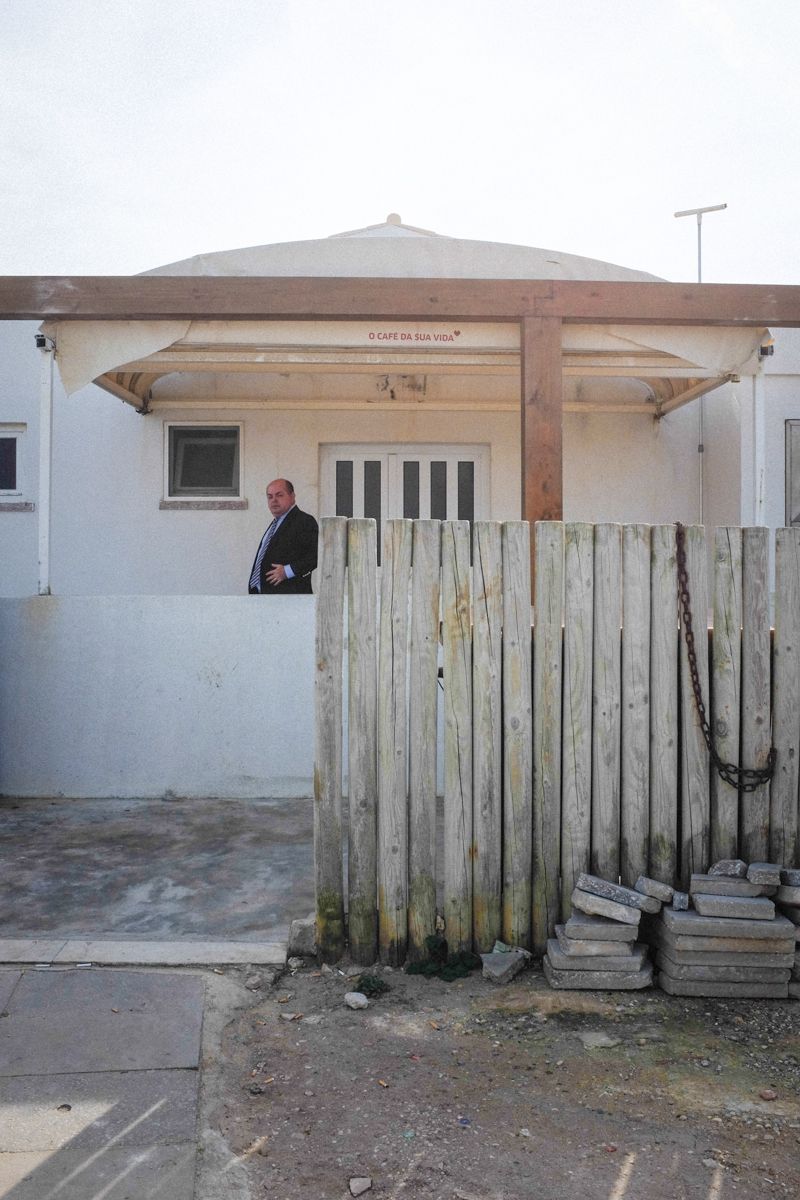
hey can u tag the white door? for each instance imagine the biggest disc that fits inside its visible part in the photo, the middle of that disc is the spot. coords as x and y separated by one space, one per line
439 482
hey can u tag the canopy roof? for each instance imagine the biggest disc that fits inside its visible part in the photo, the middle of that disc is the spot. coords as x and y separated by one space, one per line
406 364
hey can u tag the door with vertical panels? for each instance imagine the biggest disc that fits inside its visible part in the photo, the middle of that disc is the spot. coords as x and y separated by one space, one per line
444 482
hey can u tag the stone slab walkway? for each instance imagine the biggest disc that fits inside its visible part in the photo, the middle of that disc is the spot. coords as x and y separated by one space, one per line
99 1083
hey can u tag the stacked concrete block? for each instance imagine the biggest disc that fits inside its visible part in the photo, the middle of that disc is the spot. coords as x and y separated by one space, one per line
787 901
730 941
597 947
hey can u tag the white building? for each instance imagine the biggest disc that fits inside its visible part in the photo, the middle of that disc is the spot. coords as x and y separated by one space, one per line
164 434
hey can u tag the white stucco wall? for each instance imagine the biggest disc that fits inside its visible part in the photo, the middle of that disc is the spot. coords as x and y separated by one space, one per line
149 695
109 536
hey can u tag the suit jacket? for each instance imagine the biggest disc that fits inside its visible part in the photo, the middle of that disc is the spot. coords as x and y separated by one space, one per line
294 543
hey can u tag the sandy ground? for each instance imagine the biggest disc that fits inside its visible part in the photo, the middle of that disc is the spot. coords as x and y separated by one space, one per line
469 1091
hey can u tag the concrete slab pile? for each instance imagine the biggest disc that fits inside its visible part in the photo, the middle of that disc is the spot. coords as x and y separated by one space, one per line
730 941
787 901
597 947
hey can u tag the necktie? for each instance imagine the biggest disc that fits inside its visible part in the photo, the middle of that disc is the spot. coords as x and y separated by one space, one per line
255 578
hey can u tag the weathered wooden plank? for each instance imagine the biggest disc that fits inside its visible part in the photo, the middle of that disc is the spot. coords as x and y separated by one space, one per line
517 729
785 794
726 689
362 705
576 761
457 655
542 401
663 850
635 697
392 743
695 794
606 690
756 735
547 674
423 688
159 297
328 866
487 732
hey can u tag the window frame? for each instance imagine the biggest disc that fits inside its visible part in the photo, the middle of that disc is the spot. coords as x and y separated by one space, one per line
15 430
203 499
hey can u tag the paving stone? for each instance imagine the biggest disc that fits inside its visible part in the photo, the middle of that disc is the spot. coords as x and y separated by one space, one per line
697 987
693 924
607 962
722 945
617 893
721 974
120 1108
680 901
591 948
137 1021
723 885
794 990
582 925
788 895
695 956
622 981
160 1173
750 909
734 867
652 887
8 981
760 872
502 967
600 906
791 876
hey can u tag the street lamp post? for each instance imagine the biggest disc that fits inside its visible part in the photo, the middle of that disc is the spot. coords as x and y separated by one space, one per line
698 212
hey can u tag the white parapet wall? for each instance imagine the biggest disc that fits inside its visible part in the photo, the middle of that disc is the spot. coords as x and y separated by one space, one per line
157 696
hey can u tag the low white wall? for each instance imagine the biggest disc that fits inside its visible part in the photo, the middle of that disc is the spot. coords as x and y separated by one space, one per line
149 695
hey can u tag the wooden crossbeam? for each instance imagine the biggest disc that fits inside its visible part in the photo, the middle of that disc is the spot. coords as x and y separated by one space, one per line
154 297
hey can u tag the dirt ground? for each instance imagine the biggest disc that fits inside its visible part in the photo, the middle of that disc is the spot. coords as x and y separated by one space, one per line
470 1091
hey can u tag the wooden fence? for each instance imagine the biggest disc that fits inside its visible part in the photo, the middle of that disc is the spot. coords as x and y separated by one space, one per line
571 738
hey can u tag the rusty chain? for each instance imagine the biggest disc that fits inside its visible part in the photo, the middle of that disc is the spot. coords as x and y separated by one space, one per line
747 779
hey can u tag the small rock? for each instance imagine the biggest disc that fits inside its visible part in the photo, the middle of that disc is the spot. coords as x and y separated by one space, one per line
326 970
710 1162
680 901
295 963
356 1000
290 1016
303 937
352 970
360 1184
502 966
253 983
735 868
768 1094
524 1133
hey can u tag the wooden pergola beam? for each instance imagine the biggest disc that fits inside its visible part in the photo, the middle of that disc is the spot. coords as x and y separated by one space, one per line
166 297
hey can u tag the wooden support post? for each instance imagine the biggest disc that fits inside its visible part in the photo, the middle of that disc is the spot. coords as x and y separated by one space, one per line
422 709
392 744
362 741
541 426
328 727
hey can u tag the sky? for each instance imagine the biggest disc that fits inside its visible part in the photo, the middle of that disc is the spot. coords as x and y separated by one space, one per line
139 132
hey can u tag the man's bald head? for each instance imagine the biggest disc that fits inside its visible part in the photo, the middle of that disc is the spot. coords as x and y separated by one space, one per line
280 496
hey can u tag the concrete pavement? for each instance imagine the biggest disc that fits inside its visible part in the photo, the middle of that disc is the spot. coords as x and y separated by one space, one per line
99 1084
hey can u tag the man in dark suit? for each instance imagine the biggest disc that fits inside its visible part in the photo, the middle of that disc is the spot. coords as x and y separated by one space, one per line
287 553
